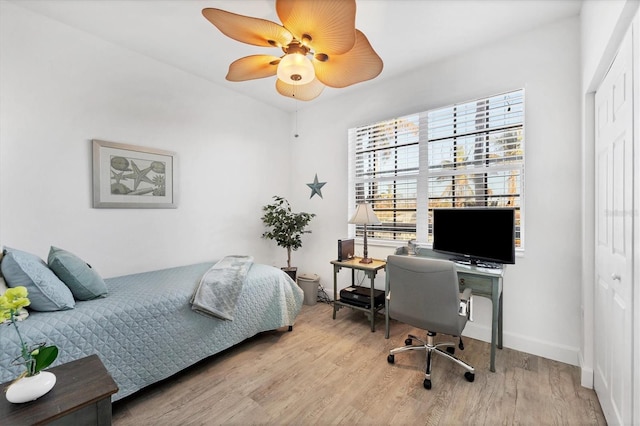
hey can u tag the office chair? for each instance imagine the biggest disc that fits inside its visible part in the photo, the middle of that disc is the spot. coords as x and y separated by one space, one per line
424 293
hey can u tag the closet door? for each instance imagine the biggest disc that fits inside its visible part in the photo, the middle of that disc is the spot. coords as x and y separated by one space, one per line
614 238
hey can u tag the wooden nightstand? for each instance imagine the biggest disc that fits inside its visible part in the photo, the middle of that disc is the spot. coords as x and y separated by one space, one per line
81 396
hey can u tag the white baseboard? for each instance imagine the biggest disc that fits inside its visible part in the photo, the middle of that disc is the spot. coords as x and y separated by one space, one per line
545 349
586 374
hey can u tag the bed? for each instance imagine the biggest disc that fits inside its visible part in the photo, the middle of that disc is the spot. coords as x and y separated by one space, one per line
145 330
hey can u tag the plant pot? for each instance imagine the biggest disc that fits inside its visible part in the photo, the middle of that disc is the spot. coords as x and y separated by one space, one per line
30 388
292 272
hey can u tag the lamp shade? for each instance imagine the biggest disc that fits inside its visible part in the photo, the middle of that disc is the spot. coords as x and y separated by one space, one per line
296 68
365 215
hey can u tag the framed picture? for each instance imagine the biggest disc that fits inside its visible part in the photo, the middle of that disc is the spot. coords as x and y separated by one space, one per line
135 177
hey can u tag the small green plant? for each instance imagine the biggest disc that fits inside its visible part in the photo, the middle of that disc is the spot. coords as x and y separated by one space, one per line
284 226
36 357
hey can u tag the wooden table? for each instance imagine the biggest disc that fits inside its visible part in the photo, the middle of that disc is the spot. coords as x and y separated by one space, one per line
370 270
81 396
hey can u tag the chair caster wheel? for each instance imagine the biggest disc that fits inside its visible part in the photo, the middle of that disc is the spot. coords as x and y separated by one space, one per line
427 384
451 350
408 342
469 376
391 359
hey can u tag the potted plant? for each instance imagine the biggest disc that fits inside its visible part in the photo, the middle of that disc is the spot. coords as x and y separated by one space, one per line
285 227
33 382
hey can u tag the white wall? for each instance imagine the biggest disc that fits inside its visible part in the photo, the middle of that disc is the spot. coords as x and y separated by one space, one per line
60 88
603 24
541 294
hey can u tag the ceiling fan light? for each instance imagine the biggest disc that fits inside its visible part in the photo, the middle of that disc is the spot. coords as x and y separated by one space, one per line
301 92
296 68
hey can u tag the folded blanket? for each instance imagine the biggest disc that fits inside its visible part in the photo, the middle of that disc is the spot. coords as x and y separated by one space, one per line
220 287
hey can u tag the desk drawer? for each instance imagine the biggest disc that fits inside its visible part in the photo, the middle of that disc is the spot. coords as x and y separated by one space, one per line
480 286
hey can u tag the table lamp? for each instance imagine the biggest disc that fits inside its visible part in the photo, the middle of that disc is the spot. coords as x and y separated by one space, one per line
365 215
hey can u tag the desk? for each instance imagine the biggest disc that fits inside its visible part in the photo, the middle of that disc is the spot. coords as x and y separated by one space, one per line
484 282
81 395
370 270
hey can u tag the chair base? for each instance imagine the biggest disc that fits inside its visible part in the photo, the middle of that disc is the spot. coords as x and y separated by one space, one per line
430 348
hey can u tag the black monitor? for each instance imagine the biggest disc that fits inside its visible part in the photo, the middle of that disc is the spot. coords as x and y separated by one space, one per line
476 235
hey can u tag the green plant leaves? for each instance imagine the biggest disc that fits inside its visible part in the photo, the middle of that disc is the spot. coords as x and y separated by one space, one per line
283 225
44 357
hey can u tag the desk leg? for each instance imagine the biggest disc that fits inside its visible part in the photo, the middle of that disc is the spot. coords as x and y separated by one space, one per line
372 310
495 304
386 315
335 289
500 323
386 324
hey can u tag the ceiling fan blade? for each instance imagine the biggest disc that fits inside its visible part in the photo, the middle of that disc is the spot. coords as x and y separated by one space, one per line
253 67
359 64
329 24
302 92
246 29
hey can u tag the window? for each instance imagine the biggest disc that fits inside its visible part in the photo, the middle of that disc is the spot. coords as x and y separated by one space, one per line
465 155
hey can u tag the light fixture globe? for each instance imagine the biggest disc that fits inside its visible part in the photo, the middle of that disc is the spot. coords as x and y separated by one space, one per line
295 68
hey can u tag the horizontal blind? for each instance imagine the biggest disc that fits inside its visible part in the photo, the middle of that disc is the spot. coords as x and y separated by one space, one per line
386 169
476 155
464 155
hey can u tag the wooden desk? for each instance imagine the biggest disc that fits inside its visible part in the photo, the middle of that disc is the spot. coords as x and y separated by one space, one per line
484 282
370 270
81 396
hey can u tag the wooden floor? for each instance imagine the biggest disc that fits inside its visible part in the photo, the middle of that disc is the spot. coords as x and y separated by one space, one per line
336 372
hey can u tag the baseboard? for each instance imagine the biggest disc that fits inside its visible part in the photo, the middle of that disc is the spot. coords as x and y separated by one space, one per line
586 374
545 349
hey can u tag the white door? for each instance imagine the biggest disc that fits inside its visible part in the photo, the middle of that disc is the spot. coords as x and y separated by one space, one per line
614 232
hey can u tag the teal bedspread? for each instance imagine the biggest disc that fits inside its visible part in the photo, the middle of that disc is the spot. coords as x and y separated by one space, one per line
145 330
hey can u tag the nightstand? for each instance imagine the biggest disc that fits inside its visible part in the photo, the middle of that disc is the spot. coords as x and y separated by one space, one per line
81 396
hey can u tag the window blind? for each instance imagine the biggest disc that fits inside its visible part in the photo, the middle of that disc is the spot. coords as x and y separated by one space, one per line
465 155
385 173
476 155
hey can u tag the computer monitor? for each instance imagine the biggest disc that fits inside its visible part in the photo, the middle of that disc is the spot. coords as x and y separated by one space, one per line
475 235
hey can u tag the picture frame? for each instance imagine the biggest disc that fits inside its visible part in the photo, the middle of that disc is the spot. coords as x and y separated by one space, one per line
133 177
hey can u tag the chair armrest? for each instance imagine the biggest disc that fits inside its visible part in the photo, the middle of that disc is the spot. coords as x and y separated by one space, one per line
466 304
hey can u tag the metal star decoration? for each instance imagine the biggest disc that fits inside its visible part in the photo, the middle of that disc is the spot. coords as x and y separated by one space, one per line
316 187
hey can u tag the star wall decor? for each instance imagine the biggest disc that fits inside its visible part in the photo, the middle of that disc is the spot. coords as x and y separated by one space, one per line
316 187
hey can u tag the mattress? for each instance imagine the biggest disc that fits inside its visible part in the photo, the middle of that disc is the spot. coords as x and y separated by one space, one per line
145 331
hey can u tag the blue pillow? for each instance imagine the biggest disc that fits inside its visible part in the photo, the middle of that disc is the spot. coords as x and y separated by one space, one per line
83 281
46 291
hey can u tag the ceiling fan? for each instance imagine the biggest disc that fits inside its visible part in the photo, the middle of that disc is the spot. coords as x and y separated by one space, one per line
321 46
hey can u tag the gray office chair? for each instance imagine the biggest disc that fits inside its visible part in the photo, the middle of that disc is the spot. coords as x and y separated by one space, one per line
424 293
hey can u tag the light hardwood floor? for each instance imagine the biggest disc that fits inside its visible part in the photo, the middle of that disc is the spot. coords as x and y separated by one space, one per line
336 372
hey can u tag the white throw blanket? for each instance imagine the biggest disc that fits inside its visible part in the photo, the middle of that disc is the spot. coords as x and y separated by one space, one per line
219 289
